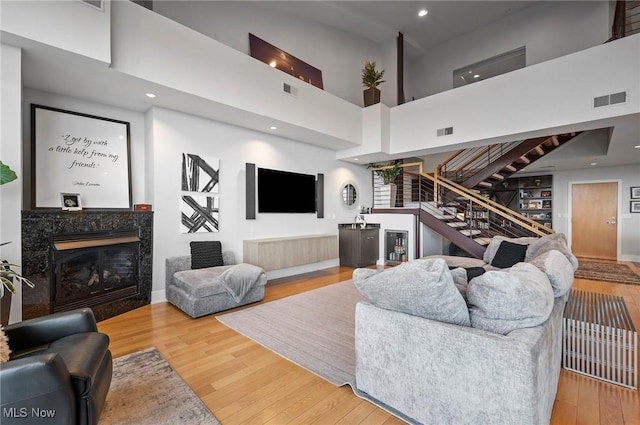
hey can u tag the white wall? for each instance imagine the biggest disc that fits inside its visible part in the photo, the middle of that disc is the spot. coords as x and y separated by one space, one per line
175 133
339 55
628 223
137 129
11 155
65 24
542 99
549 30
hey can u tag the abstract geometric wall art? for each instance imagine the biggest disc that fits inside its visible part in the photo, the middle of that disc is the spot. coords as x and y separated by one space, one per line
200 214
199 175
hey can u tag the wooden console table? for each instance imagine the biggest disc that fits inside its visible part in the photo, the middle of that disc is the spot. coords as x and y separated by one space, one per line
281 253
599 338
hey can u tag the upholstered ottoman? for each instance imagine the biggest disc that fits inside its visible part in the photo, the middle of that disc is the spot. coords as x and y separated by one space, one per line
208 290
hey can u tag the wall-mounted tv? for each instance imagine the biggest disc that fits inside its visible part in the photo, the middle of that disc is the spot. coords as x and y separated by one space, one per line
286 192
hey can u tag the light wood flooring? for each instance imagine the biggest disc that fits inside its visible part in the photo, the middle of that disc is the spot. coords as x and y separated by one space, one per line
243 383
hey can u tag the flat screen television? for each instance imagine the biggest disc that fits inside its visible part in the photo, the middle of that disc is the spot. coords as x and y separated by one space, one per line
286 192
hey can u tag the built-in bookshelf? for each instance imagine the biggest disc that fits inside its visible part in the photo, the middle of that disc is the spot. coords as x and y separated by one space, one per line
531 196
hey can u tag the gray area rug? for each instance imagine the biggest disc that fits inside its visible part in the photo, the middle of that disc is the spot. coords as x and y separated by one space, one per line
314 329
145 390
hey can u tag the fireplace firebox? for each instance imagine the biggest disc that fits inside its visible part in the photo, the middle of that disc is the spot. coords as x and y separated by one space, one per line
94 268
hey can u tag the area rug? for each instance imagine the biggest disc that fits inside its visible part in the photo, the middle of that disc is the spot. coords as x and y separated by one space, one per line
315 330
618 273
145 390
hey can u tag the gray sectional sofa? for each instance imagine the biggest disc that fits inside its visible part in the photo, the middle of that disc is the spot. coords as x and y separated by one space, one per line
488 351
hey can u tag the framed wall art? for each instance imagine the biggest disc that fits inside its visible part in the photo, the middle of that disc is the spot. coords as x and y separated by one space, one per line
635 192
79 153
635 207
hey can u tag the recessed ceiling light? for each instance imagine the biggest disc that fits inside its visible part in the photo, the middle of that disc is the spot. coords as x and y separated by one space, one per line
150 95
476 76
272 64
594 163
423 12
356 159
636 147
273 127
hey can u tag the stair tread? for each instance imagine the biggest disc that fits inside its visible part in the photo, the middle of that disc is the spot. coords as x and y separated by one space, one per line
457 224
482 241
468 232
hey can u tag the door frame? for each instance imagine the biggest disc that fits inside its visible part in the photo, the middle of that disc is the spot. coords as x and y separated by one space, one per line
619 209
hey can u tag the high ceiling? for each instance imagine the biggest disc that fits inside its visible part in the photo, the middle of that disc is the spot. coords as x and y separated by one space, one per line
381 21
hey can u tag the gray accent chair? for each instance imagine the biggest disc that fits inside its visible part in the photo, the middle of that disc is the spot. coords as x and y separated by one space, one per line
59 363
200 292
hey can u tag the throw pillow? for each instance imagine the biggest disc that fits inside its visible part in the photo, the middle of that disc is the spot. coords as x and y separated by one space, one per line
4 347
495 242
557 268
206 254
422 288
503 300
509 254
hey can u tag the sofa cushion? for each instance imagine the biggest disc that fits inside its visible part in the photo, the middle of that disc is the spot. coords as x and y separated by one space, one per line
557 268
422 288
509 254
504 300
206 254
555 241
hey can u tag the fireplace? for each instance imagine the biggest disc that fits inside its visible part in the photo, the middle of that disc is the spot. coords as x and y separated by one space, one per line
94 268
97 259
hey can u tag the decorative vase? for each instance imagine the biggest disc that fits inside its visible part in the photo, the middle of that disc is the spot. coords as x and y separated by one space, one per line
386 196
371 96
5 307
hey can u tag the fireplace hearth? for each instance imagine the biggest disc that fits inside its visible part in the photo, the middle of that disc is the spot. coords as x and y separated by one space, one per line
97 259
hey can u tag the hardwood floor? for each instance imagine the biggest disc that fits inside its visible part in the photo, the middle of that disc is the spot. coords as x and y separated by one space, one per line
243 383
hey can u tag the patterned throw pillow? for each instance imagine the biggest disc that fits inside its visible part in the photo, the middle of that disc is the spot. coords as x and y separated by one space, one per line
206 254
4 347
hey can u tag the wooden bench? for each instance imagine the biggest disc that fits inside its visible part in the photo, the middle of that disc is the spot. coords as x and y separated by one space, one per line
599 339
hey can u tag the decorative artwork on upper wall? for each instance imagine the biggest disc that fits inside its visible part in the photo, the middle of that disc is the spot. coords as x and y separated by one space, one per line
200 175
79 153
276 58
200 214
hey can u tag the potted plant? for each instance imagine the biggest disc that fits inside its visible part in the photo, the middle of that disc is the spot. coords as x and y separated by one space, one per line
371 79
7 274
389 172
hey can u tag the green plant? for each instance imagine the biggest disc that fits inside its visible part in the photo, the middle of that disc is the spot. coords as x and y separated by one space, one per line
7 273
371 78
388 172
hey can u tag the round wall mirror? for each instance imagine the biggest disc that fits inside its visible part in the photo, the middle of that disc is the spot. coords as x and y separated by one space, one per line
349 195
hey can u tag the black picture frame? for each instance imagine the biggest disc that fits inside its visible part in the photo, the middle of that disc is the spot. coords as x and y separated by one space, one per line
73 152
634 206
635 192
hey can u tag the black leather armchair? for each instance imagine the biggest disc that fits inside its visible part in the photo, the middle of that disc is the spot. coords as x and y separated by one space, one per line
60 367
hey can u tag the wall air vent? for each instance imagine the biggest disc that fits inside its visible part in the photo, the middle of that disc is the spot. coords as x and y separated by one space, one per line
610 99
445 131
289 89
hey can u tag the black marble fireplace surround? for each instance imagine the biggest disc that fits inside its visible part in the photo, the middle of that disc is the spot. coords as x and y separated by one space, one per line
39 230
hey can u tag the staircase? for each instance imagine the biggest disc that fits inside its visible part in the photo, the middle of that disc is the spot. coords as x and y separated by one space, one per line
454 200
466 218
482 167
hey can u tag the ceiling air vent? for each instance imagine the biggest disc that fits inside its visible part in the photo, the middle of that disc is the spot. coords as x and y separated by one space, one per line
289 89
610 99
445 131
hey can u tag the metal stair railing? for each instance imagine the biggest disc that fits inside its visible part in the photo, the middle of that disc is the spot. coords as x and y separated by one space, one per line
443 193
464 163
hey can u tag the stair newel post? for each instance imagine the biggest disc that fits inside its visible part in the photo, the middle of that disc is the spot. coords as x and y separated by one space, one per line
436 176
